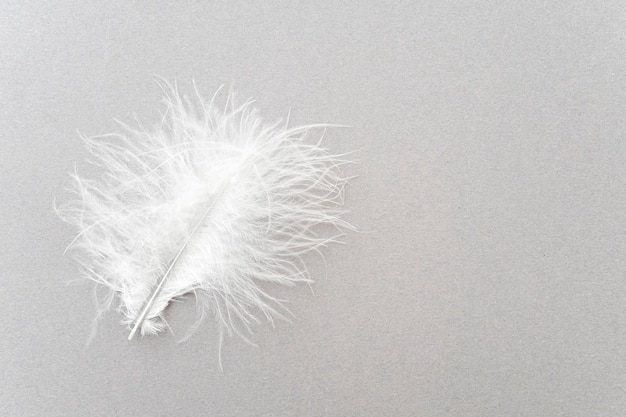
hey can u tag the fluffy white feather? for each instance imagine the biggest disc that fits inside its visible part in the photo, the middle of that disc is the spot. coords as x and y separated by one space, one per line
214 200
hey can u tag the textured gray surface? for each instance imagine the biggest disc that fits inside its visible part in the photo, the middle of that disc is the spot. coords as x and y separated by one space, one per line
492 280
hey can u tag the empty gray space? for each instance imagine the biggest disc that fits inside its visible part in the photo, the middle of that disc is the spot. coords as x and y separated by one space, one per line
488 277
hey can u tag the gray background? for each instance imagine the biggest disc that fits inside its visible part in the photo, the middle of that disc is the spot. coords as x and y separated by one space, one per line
489 279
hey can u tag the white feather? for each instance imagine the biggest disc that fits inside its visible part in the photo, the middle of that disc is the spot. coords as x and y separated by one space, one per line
216 197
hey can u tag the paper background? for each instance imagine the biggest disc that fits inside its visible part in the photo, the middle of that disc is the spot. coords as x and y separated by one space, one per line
490 276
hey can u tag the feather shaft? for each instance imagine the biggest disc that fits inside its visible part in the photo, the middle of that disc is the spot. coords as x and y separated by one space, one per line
159 287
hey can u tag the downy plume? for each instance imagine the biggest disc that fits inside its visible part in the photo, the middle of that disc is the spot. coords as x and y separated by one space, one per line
213 202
